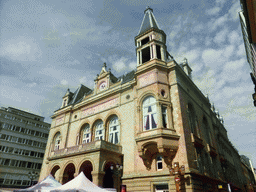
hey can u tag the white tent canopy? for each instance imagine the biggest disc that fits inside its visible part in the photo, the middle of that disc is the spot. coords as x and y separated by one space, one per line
81 184
46 185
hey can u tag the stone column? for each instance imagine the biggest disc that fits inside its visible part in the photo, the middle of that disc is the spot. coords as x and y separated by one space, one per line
97 178
154 51
162 54
159 115
151 54
140 57
169 117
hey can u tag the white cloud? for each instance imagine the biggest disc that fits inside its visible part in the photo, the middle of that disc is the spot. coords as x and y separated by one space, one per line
75 62
234 38
123 64
20 48
120 65
214 23
233 11
64 82
213 11
220 37
198 28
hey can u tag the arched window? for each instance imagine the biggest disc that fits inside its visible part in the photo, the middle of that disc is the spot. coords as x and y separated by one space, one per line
57 140
149 113
86 134
114 130
99 130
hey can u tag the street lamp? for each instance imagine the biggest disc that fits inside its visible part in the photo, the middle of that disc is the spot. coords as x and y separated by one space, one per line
116 170
32 175
177 172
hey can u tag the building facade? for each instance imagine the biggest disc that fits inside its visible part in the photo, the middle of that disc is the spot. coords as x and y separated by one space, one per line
23 138
131 129
248 26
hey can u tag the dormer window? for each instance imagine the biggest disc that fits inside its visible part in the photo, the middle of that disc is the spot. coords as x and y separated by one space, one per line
65 103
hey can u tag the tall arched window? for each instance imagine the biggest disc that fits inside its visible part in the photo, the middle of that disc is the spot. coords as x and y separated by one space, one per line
192 120
114 130
149 113
207 131
99 130
86 134
56 142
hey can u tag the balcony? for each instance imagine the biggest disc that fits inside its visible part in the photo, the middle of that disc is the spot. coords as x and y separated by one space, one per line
197 141
211 150
94 146
157 141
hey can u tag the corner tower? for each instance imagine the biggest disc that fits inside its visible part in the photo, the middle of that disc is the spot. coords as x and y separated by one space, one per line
150 41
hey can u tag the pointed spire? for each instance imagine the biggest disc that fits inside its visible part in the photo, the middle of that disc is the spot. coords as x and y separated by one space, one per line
67 92
104 68
149 21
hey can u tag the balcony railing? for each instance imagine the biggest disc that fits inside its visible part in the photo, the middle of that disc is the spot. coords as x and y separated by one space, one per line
197 141
211 150
85 148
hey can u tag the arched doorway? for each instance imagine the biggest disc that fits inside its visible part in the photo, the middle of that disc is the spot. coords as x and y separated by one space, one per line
108 181
86 167
55 171
68 173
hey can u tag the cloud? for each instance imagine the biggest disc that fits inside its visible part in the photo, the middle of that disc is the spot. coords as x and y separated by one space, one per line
220 37
233 11
123 64
64 82
213 11
21 48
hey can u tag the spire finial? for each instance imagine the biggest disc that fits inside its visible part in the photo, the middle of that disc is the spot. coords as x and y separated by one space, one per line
104 64
185 60
148 8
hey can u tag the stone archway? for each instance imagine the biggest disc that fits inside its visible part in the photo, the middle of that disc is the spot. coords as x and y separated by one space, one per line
55 171
87 168
68 173
108 179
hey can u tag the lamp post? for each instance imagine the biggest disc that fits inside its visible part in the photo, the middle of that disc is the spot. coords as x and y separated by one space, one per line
32 175
117 172
177 172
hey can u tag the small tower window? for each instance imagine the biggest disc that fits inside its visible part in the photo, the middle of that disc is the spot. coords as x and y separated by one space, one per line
65 102
159 162
145 54
158 52
144 41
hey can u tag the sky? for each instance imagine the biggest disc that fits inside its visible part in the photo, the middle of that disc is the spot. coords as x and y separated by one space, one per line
49 46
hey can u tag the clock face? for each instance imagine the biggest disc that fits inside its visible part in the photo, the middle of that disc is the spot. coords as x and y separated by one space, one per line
103 85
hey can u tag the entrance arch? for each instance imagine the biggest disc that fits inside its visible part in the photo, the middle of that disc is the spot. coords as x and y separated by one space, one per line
55 171
68 173
108 180
87 168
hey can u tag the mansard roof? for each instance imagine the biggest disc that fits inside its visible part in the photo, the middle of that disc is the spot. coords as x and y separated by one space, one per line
148 22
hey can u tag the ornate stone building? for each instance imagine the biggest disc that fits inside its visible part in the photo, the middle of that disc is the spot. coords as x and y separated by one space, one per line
129 130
